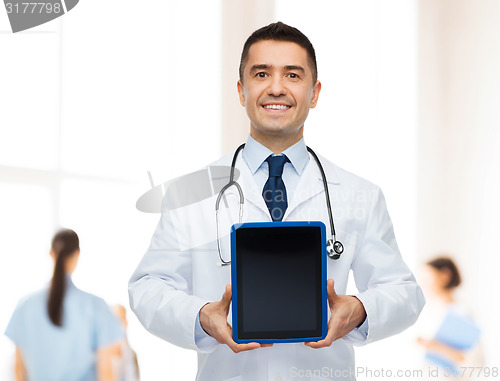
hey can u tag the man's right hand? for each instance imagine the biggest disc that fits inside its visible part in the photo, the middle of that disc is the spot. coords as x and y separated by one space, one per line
213 319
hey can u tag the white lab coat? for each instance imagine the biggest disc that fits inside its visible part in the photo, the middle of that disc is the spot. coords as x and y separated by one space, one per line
179 274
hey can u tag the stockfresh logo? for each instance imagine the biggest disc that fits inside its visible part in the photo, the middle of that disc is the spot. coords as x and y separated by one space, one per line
25 15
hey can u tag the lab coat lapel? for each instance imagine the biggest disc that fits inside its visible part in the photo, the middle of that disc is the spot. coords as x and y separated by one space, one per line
251 193
310 184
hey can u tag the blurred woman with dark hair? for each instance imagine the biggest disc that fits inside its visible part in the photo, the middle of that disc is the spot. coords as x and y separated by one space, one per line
63 333
455 342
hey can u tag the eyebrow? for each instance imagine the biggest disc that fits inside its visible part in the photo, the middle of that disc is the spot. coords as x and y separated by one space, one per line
295 68
266 66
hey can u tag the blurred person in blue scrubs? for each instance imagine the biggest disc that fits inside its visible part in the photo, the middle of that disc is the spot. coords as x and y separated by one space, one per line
60 332
452 338
125 364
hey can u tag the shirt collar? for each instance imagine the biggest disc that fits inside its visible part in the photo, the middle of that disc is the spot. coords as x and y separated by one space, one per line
69 281
255 154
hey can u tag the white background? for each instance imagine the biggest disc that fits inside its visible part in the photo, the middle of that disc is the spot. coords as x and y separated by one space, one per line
91 101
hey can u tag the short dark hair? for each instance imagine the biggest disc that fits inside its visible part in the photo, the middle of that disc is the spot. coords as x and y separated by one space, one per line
280 32
447 264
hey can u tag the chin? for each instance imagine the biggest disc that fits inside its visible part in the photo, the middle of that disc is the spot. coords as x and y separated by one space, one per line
279 129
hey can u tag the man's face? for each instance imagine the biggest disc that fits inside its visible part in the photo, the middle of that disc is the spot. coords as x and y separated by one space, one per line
277 89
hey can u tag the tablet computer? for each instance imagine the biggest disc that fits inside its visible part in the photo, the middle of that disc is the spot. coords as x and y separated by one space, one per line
278 275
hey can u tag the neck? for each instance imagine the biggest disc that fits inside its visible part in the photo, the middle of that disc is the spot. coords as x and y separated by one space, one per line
446 296
277 142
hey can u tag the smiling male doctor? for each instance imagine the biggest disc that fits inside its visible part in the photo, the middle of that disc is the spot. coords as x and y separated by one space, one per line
176 288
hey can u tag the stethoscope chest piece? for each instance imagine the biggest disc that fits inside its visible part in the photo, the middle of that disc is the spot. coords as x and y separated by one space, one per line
334 249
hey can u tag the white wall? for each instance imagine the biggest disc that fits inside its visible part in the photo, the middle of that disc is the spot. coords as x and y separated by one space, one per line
239 19
119 89
89 103
459 140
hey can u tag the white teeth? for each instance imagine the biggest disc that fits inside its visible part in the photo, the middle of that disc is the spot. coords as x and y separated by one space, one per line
277 107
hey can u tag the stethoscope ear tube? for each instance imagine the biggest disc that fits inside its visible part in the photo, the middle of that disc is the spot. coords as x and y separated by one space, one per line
334 248
217 220
219 197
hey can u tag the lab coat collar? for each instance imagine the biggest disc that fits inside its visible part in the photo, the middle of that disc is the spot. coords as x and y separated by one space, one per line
310 184
251 193
250 190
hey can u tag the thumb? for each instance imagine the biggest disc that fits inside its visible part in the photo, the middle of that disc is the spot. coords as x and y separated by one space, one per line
226 298
330 289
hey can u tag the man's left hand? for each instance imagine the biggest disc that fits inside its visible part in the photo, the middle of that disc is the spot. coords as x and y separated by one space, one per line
347 312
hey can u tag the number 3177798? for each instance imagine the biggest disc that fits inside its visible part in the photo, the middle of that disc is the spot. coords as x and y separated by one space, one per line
33 7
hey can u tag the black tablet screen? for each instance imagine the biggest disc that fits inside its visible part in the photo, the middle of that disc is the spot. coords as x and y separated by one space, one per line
279 282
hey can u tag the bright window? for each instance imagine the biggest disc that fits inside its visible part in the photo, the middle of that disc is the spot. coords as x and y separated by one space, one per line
90 102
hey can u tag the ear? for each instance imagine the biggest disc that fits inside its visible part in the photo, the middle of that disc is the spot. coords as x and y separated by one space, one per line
241 93
315 94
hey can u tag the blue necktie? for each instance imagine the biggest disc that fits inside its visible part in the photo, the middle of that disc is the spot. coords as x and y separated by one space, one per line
274 191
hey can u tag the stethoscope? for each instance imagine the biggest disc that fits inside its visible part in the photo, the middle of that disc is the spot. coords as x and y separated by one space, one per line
334 248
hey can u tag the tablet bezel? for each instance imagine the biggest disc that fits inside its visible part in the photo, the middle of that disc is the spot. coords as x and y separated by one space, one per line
234 282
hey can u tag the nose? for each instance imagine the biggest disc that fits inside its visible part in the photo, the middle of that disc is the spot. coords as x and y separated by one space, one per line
276 86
